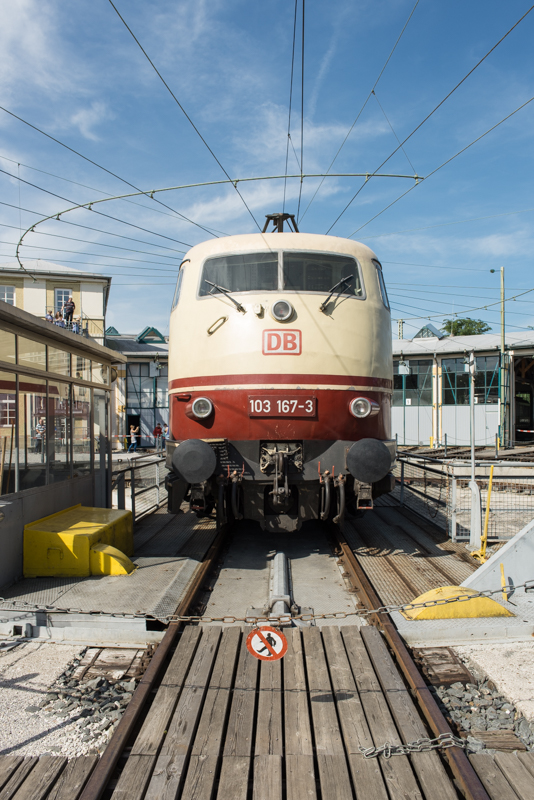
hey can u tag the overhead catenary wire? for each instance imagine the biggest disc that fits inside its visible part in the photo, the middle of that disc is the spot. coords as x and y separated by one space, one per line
180 106
393 131
360 112
108 194
97 230
113 174
447 96
301 114
290 103
444 164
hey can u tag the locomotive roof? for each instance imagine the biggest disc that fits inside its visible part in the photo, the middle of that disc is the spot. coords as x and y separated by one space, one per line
280 241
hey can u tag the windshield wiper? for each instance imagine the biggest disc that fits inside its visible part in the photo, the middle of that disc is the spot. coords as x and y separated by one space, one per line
228 294
333 289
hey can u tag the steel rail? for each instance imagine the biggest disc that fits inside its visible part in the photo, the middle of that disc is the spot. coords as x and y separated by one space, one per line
101 776
468 781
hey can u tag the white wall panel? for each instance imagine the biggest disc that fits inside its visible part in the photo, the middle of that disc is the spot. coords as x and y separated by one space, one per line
35 297
456 423
412 424
92 299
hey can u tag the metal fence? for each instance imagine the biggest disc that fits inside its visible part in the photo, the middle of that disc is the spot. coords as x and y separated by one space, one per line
440 491
140 487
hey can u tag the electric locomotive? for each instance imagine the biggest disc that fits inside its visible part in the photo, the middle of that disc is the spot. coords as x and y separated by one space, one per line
280 379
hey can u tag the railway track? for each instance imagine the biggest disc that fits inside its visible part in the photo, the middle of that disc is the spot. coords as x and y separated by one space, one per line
209 721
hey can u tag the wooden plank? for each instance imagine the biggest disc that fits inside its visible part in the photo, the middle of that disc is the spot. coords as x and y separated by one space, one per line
267 776
298 738
333 768
241 722
8 765
300 777
366 775
397 772
492 778
18 778
201 774
498 740
233 783
134 778
269 738
527 759
41 778
434 781
517 775
169 771
150 737
73 778
208 740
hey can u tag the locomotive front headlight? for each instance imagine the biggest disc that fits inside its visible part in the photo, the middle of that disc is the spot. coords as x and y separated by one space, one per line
202 407
282 310
361 407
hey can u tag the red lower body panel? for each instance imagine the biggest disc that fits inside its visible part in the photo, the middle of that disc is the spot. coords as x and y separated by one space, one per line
231 419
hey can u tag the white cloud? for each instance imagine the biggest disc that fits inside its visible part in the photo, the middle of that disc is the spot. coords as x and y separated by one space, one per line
88 118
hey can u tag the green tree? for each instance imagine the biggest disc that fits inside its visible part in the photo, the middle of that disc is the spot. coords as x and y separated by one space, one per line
465 327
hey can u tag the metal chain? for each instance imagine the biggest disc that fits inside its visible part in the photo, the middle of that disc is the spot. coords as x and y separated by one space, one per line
22 605
443 741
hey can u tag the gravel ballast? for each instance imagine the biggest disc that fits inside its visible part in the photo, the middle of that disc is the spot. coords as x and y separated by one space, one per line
44 711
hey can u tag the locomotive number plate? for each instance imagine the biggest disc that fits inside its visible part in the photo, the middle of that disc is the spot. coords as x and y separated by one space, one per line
286 406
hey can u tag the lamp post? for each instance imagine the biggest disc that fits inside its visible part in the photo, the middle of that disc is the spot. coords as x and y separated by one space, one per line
502 371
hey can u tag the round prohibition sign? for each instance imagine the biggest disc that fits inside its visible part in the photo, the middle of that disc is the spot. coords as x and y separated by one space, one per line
267 643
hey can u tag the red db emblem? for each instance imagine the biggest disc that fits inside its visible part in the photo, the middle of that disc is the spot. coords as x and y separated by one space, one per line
282 343
267 643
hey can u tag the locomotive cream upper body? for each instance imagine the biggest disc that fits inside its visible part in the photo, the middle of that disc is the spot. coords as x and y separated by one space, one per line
280 378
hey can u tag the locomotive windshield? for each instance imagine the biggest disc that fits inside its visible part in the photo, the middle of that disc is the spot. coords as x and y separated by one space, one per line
289 271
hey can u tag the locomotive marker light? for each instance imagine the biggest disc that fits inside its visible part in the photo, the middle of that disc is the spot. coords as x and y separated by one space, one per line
202 407
282 310
361 407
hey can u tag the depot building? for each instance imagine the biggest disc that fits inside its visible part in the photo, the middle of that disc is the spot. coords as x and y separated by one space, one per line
431 388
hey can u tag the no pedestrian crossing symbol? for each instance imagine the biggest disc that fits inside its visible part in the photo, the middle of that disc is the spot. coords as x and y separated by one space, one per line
267 643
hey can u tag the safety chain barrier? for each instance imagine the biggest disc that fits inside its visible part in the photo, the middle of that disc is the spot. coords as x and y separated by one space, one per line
18 605
443 741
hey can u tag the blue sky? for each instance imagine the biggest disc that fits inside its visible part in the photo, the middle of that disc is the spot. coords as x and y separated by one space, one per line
75 72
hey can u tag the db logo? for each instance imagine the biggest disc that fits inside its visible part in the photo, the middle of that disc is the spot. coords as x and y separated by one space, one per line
282 343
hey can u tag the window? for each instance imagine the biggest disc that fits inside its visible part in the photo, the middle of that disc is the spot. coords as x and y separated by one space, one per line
412 383
241 273
58 361
178 288
82 368
100 373
81 429
456 381
320 272
59 437
286 271
381 283
7 294
31 354
8 400
61 295
32 432
7 346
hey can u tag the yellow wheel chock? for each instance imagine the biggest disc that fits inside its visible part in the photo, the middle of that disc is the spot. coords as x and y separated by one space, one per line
477 607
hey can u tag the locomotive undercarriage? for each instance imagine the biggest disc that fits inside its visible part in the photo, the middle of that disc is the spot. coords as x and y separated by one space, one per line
279 484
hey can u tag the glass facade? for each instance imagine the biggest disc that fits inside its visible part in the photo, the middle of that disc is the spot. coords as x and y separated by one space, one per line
51 429
455 381
412 382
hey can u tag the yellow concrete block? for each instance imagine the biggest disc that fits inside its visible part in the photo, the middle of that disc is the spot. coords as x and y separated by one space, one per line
59 545
464 609
107 560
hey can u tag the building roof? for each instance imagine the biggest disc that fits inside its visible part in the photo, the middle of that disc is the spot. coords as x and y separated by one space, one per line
514 340
50 268
30 325
129 346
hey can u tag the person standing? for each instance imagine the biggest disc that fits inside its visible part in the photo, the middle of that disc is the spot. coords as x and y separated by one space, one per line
49 317
133 439
40 430
165 431
157 433
68 310
59 321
